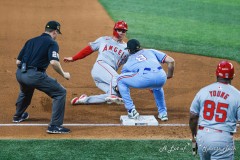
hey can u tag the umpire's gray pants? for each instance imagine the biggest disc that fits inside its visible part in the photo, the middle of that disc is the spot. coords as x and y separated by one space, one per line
34 79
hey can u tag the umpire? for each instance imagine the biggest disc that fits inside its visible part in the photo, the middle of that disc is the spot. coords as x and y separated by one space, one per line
32 63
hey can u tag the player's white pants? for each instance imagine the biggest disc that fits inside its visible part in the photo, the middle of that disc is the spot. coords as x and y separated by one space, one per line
102 74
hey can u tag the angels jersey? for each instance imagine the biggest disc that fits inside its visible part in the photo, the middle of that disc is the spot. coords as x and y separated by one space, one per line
218 106
110 51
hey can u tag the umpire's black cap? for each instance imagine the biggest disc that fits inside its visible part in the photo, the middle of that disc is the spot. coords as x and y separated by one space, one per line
133 45
54 25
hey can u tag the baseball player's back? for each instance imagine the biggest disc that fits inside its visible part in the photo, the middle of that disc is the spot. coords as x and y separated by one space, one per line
217 106
214 113
145 58
143 70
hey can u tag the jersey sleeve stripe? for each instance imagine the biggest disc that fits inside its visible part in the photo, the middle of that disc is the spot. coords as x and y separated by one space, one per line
163 60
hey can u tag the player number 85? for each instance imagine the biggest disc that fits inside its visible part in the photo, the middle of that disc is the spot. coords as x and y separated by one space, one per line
209 108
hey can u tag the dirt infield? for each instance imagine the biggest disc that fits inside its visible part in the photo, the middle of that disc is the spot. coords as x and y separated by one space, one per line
83 21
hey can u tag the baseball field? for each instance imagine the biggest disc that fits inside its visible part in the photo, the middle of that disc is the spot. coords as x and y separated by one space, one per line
197 34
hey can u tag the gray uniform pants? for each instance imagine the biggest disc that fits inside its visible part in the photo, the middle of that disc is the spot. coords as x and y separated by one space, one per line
215 144
34 79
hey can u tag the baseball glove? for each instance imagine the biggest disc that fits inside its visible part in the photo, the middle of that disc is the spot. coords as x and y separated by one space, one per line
117 91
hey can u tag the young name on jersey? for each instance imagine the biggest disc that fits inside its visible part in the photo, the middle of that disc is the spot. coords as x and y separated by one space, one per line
221 94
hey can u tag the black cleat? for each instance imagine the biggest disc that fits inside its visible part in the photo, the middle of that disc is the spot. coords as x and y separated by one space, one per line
52 129
24 117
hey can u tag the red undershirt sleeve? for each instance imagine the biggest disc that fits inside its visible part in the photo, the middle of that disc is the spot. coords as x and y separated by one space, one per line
83 53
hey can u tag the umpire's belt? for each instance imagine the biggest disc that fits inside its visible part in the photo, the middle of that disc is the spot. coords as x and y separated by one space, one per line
215 130
36 68
153 70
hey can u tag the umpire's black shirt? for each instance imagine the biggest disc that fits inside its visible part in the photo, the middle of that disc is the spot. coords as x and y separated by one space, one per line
39 51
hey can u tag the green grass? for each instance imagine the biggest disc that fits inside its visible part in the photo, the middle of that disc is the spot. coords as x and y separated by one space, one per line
98 149
207 27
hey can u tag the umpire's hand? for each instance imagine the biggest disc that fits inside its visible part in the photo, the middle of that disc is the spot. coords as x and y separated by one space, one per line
66 75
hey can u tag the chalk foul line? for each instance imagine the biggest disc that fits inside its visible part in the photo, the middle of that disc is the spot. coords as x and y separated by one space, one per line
87 125
92 125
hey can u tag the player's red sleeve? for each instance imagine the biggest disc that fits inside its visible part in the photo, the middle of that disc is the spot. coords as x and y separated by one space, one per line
83 53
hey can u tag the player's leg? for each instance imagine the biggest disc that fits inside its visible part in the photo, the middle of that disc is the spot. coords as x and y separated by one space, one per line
141 80
102 74
223 146
124 89
159 97
126 81
215 145
202 142
161 104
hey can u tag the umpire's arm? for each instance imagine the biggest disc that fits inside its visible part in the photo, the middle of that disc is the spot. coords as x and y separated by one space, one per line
58 68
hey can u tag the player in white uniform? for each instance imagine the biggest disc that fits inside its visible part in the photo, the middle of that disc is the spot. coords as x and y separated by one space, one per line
214 113
111 55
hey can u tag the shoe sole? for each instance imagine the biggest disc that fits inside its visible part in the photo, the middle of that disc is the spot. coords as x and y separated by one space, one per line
57 132
164 119
117 101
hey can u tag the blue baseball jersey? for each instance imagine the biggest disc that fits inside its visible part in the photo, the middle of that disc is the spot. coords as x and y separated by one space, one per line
143 70
218 106
145 58
39 51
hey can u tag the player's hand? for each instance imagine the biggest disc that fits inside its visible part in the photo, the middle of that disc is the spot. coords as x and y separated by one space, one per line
68 59
66 75
194 146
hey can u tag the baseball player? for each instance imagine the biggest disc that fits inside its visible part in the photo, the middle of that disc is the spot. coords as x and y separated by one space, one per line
214 113
143 70
32 63
111 55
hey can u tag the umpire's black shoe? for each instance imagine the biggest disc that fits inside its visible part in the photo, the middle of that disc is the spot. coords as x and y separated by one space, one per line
24 117
57 129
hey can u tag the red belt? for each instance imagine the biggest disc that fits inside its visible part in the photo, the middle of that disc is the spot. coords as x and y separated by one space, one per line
220 131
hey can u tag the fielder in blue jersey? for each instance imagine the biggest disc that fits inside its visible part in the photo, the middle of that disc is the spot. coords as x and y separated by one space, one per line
214 113
143 70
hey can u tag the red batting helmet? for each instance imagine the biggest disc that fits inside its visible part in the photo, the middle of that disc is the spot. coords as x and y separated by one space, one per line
225 69
119 25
